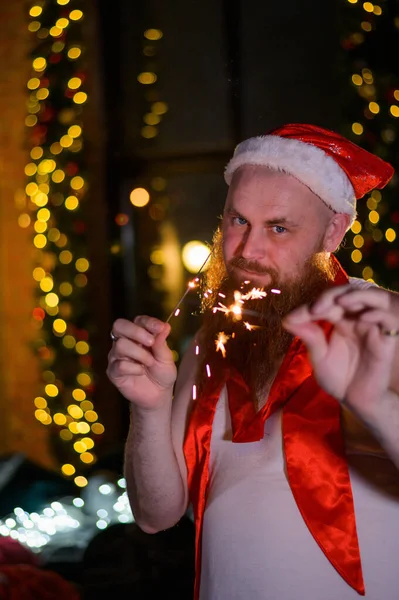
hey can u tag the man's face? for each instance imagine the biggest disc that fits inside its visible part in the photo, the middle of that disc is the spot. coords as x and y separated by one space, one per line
272 225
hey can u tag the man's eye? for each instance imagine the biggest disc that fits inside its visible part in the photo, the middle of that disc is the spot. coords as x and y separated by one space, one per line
279 229
239 221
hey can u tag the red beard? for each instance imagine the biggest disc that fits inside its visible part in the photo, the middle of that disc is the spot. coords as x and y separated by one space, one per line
257 353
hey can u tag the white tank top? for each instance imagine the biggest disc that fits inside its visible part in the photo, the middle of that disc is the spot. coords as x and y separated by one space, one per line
255 544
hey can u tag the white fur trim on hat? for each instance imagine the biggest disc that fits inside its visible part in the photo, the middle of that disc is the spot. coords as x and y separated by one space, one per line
309 164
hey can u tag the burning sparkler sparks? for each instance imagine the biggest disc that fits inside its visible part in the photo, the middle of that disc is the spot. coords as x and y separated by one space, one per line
220 342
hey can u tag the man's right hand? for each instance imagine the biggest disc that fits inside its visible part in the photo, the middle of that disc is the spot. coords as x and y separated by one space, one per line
140 363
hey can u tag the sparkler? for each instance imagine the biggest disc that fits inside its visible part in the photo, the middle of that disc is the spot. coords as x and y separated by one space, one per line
191 285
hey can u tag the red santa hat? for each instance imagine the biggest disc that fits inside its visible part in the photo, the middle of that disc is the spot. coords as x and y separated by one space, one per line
335 169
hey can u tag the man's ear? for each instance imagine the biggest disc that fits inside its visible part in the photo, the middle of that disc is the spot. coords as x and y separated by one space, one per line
335 232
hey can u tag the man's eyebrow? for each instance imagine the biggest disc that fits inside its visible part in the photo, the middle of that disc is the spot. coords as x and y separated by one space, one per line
279 221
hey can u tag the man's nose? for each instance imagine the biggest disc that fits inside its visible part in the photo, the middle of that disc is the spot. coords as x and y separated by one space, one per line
254 245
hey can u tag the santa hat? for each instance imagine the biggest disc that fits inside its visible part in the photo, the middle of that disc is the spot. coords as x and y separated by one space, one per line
335 169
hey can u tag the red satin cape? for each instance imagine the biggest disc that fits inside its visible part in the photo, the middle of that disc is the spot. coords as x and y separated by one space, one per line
314 452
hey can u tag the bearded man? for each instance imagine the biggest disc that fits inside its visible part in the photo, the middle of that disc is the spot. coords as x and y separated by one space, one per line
289 448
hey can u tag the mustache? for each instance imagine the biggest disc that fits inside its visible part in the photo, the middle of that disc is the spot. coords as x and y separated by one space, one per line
252 265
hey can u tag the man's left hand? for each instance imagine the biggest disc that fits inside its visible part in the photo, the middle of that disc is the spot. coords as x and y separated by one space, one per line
359 362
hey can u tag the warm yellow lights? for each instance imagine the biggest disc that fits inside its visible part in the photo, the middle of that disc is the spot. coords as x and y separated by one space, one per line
56 148
83 379
59 326
374 217
52 300
38 273
33 83
59 419
80 97
56 31
34 26
43 214
358 241
31 120
390 235
82 265
139 197
374 108
151 119
194 255
83 427
82 348
147 78
69 342
62 23
75 15
40 402
356 256
24 220
357 128
86 405
58 176
148 132
42 94
357 79
75 131
46 284
368 7
40 226
74 83
151 34
80 481
159 108
68 469
71 203
97 428
88 442
66 257
79 395
75 411
35 11
40 241
366 26
77 183
74 53
91 416
394 110
87 457
66 288
51 390
39 64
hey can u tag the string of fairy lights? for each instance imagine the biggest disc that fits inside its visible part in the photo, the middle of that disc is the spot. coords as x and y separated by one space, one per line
55 205
374 112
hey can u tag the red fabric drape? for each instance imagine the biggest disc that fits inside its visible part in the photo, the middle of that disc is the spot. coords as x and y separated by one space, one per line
314 451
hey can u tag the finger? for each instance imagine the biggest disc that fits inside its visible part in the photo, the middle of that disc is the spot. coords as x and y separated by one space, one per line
160 348
151 324
312 336
370 298
305 314
329 298
122 368
133 331
384 319
124 349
